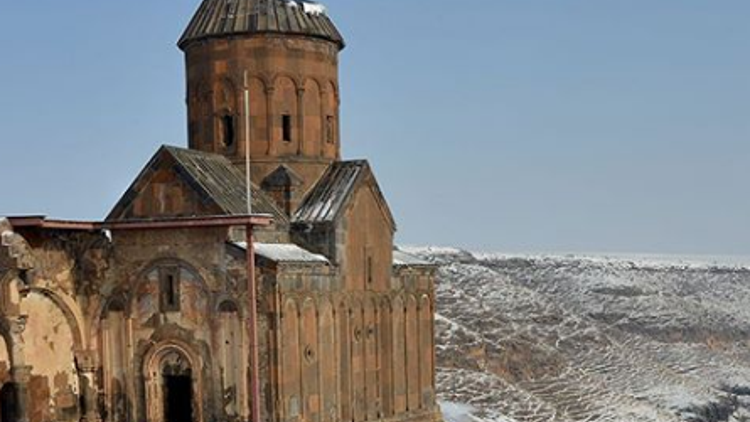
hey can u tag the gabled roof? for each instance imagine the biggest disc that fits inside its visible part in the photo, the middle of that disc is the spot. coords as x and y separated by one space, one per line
221 18
333 192
283 176
213 177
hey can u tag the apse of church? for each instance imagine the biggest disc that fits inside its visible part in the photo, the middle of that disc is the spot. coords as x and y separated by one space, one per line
145 316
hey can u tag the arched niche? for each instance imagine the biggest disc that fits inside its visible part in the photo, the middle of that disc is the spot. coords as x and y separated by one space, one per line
328 361
286 116
226 125
372 360
230 340
114 346
399 355
358 338
49 345
343 334
426 351
330 142
199 107
259 142
291 358
313 119
310 360
386 357
412 354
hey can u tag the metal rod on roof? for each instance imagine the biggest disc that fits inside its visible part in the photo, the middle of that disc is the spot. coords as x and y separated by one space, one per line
247 147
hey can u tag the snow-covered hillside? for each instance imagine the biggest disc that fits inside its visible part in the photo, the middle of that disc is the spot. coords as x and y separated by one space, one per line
570 338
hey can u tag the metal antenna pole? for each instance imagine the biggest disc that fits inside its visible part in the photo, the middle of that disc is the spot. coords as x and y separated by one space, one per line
247 147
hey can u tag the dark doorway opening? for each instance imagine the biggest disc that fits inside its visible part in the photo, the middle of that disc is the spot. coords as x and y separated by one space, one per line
178 398
9 403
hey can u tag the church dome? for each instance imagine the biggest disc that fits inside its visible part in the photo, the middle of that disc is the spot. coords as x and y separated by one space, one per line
220 18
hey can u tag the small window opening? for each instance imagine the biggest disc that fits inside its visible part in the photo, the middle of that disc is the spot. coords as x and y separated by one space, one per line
171 296
170 290
227 130
23 275
286 126
330 129
369 270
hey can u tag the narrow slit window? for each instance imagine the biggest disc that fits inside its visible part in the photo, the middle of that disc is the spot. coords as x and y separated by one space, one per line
171 297
369 270
330 129
228 132
286 127
170 290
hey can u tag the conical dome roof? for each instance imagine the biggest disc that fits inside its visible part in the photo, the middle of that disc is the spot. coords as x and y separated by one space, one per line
219 18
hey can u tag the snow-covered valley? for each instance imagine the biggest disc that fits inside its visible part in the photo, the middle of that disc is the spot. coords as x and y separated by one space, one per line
575 338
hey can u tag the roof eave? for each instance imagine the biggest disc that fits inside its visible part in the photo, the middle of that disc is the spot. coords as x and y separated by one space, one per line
185 42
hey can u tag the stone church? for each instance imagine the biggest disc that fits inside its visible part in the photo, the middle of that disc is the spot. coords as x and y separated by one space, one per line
150 315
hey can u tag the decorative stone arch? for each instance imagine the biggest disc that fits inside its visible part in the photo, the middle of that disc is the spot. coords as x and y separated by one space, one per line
166 359
226 303
286 114
140 278
68 308
298 83
233 99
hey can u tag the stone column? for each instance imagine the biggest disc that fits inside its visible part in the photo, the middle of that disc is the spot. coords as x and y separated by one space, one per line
301 122
21 377
324 135
21 373
270 116
87 367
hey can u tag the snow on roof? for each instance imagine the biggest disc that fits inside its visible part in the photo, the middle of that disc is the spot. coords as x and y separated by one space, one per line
309 7
403 259
285 252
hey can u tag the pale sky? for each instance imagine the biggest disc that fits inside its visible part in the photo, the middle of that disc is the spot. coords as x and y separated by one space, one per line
505 125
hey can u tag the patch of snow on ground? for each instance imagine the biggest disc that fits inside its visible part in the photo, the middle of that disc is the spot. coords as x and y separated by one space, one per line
592 338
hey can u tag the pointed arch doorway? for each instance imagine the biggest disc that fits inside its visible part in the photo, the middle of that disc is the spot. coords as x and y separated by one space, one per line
173 385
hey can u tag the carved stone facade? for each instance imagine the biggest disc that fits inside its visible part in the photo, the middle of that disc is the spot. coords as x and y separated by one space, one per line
104 323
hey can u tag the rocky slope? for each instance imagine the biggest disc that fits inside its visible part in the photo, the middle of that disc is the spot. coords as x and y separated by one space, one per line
591 338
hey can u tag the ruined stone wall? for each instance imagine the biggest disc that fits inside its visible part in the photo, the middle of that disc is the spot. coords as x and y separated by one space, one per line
44 321
175 296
